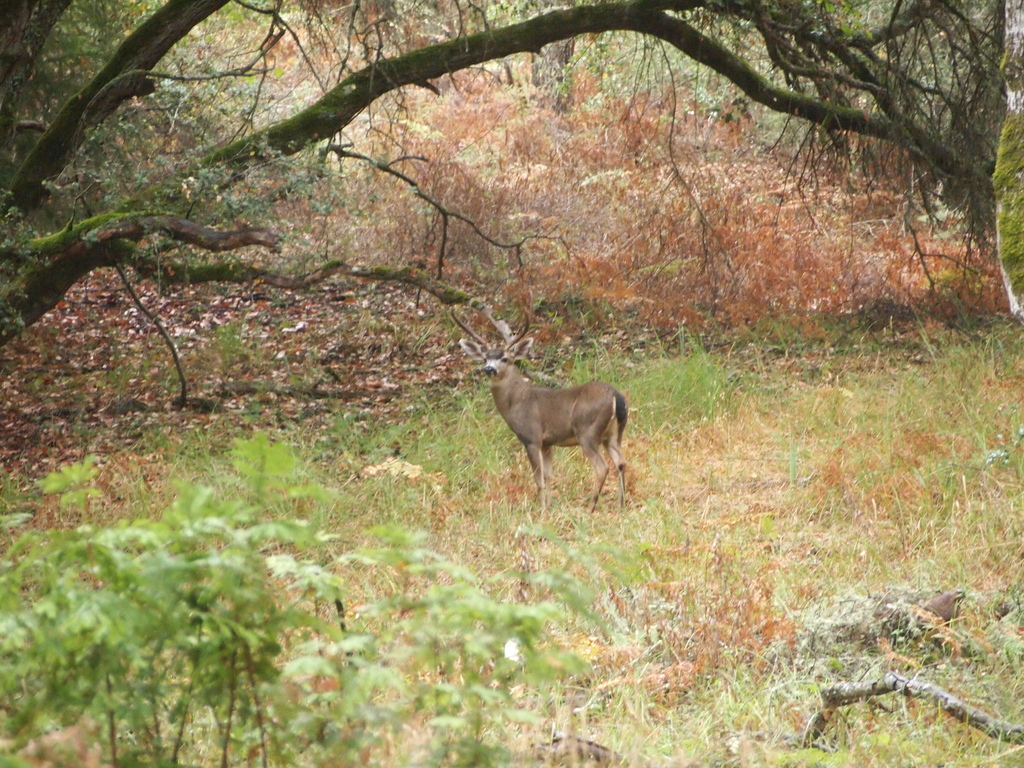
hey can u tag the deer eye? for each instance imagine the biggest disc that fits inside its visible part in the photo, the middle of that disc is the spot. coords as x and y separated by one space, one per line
504 358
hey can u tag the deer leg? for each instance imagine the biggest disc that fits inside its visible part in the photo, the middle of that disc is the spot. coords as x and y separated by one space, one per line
548 458
600 466
540 471
615 452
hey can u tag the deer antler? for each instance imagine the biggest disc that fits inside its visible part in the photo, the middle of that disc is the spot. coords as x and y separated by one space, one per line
503 327
469 330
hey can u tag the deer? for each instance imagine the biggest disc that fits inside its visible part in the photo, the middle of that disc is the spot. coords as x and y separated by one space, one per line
592 415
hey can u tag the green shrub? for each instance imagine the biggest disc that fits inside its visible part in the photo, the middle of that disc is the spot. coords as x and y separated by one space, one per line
208 636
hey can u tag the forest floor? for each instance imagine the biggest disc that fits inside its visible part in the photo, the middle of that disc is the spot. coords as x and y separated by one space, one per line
95 373
798 494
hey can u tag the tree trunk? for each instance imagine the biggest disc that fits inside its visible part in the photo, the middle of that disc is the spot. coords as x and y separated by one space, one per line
549 73
549 70
1009 176
23 32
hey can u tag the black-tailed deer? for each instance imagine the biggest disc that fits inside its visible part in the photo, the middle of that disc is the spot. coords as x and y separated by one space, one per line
591 416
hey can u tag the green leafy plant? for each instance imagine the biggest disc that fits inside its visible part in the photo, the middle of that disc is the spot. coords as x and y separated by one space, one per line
203 637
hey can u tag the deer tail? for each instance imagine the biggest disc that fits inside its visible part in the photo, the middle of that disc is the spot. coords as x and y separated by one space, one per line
621 411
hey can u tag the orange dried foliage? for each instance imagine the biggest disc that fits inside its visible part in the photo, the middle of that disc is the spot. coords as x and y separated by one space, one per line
712 229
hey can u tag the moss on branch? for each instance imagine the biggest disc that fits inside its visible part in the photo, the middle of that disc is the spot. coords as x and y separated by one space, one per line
339 106
48 266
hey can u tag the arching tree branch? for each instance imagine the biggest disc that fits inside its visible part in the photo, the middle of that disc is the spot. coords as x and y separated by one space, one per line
870 106
118 81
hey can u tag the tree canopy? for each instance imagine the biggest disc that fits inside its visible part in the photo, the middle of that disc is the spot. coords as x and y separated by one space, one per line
922 77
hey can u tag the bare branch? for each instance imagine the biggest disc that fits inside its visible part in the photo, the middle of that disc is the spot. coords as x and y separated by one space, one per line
841 694
272 39
446 213
155 320
23 126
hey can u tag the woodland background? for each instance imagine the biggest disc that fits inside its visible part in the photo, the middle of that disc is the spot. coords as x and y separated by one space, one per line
332 552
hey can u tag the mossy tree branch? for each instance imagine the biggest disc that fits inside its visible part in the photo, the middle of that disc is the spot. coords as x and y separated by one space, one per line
51 265
661 20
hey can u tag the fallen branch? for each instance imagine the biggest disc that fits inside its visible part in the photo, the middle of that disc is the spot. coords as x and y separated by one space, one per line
572 750
235 272
841 694
569 750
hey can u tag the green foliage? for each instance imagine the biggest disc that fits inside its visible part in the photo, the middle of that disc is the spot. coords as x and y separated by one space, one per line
693 386
72 483
440 617
153 625
200 633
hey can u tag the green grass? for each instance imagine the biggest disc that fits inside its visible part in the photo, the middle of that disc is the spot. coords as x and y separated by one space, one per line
761 490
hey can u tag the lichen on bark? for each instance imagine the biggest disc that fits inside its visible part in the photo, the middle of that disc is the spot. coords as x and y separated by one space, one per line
1010 206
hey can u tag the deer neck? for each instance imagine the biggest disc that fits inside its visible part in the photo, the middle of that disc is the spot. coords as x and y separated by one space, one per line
509 388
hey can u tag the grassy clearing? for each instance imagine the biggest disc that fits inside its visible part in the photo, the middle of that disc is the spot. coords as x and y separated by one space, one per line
769 490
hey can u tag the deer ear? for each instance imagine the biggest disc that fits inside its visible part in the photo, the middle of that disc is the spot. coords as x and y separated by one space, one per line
521 348
472 349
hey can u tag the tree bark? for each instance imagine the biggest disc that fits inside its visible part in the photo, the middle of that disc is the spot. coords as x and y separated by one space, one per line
549 70
23 30
1008 180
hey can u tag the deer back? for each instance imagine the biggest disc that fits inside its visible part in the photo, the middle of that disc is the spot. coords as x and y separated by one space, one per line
546 416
